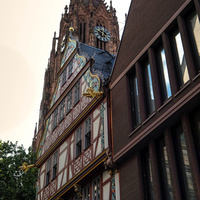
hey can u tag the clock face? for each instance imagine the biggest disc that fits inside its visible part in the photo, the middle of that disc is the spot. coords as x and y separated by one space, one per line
102 34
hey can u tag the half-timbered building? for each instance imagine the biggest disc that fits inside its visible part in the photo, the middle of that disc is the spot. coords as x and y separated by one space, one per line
74 157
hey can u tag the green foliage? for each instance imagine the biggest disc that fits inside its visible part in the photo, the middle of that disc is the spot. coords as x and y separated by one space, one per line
14 183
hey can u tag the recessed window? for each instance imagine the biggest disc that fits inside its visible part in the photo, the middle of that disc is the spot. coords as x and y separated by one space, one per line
69 102
76 92
165 171
194 29
86 192
55 118
149 89
63 76
55 160
48 171
182 70
196 132
135 99
183 164
78 141
87 132
62 109
147 175
163 72
96 189
70 69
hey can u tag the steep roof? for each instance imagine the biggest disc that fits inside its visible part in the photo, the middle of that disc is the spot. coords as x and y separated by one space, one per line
103 60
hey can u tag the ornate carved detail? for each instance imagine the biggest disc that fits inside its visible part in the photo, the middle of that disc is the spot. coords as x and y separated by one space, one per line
77 189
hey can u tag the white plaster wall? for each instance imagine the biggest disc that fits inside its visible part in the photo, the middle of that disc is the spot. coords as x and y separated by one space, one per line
42 181
106 176
95 113
105 126
106 191
63 146
96 127
117 187
43 167
98 147
72 151
59 180
62 160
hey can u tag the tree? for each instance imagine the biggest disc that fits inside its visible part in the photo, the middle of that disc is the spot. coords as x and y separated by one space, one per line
14 183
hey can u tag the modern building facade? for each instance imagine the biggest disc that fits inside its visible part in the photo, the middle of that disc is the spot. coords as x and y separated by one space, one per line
155 91
73 140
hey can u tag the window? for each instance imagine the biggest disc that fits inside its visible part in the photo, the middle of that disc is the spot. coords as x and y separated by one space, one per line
62 109
55 160
164 75
76 92
149 89
76 197
147 175
182 71
48 171
64 73
164 169
183 163
194 29
86 192
96 189
135 99
196 129
55 118
69 101
70 69
87 132
78 141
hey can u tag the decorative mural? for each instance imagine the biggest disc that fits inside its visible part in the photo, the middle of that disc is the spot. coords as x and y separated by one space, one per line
77 63
92 80
69 50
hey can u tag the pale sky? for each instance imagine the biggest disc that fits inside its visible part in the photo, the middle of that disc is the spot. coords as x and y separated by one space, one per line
27 29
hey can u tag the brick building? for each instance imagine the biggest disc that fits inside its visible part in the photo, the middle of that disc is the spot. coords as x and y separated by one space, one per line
155 91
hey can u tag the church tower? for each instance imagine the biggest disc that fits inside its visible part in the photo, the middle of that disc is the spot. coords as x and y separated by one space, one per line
95 24
84 16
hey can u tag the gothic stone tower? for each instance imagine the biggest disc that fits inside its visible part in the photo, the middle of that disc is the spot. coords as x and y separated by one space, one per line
83 16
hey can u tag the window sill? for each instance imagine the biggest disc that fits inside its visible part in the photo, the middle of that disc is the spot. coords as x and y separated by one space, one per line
75 103
164 104
150 116
196 77
87 147
68 111
136 129
182 88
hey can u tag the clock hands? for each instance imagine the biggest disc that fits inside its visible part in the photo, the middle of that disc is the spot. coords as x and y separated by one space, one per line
102 33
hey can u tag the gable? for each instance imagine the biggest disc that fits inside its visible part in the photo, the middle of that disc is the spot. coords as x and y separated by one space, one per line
71 46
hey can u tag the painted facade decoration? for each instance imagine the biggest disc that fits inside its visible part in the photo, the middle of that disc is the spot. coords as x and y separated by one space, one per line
71 46
79 125
70 72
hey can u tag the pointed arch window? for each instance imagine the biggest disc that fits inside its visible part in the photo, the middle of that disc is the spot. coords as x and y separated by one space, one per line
82 31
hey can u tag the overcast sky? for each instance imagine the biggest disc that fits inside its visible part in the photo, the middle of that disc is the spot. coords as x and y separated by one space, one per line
27 29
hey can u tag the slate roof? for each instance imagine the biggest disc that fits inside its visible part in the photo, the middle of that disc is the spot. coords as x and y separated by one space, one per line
103 60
